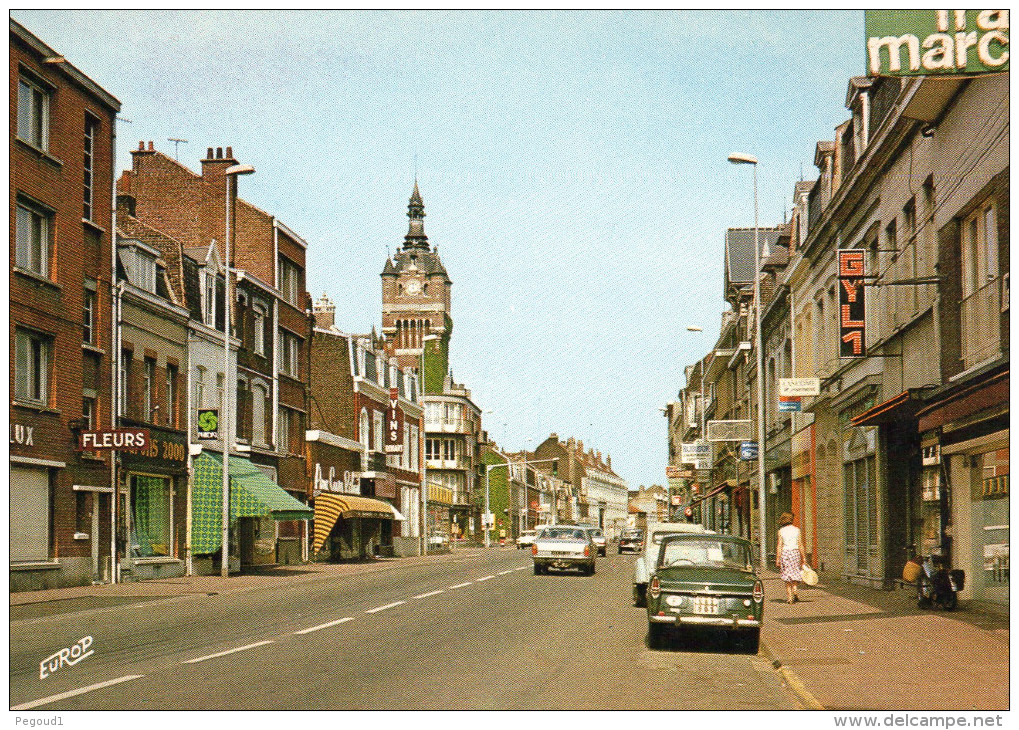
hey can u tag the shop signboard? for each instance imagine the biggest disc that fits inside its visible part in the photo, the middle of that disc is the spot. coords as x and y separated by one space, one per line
116 439
208 423
394 426
852 312
748 451
799 387
697 453
936 42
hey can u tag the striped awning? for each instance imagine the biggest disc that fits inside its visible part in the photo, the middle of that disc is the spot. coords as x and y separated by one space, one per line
329 507
252 494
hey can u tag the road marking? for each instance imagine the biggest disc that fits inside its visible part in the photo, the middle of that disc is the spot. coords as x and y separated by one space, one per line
426 595
228 651
507 572
522 567
487 577
74 692
325 626
383 608
459 585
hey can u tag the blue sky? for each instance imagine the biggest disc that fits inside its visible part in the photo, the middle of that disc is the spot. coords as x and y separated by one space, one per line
572 164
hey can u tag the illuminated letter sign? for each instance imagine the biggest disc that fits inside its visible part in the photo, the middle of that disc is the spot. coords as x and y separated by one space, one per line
852 321
394 426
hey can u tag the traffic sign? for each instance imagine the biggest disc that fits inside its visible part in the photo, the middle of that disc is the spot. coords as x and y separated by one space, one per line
748 451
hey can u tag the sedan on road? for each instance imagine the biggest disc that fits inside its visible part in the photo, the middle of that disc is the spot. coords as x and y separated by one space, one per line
705 581
631 540
644 566
526 538
562 547
598 538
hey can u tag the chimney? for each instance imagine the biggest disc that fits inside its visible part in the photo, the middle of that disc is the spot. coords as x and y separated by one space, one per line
324 312
216 162
608 460
126 204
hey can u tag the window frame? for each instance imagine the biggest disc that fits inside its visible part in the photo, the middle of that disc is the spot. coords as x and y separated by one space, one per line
290 347
41 237
88 316
39 135
88 166
32 367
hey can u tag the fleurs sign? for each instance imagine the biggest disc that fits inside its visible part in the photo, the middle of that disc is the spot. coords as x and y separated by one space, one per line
394 429
922 42
852 323
118 439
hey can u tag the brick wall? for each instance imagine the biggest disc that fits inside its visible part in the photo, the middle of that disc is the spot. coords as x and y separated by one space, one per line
332 388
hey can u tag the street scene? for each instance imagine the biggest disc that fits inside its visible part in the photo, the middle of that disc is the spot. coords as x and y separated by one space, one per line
722 424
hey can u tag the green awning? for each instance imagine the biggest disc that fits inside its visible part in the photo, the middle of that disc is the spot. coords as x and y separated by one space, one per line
252 494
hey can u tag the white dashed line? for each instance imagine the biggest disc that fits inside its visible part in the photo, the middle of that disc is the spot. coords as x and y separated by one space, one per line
383 608
459 585
228 651
426 595
324 626
487 577
75 692
506 572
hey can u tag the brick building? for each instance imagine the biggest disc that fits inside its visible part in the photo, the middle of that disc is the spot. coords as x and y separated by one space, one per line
364 444
270 333
61 213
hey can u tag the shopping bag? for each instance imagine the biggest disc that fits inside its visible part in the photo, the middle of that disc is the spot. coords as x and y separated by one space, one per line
808 575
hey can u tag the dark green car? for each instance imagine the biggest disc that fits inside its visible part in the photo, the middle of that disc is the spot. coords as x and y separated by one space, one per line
707 581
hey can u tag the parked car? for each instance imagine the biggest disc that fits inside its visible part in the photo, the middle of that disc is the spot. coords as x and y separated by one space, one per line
526 538
598 538
562 547
631 540
645 563
705 580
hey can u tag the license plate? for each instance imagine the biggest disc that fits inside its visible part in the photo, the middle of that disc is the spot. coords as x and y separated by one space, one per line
561 554
705 605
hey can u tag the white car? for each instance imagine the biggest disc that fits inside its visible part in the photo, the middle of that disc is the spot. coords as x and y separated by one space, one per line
526 538
645 564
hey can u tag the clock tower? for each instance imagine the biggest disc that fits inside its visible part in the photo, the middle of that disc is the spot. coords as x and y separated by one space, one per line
416 302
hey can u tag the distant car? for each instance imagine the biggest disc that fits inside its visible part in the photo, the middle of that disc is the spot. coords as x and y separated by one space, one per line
526 538
562 547
438 539
645 563
708 581
598 538
631 540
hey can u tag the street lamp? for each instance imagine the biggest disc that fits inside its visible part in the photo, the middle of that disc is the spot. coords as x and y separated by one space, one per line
231 173
421 446
704 433
743 159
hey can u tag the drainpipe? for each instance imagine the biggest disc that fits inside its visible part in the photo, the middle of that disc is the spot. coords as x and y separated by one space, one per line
115 369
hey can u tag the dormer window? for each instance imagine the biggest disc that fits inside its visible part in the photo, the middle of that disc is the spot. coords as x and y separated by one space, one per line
139 263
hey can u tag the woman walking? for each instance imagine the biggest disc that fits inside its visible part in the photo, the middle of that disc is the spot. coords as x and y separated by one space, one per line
790 555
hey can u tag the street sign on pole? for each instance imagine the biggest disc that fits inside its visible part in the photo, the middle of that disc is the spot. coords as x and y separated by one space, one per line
748 451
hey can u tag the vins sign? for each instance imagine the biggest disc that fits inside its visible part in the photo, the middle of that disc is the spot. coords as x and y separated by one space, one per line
394 427
852 321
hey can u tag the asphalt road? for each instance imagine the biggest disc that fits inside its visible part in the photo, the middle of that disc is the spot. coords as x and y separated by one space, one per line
481 632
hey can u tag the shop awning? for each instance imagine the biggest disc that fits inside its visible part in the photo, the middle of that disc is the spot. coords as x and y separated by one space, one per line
252 494
329 507
900 407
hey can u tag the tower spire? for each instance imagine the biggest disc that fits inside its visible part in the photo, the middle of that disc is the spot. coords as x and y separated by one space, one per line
416 237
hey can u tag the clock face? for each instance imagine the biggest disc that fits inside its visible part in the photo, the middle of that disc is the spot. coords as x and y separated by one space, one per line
413 286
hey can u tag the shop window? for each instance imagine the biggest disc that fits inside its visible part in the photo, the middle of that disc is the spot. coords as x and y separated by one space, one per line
150 516
30 533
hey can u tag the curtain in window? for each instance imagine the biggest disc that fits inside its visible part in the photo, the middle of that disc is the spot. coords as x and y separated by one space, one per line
150 516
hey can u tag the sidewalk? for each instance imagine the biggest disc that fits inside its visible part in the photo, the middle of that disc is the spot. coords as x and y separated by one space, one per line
847 647
259 578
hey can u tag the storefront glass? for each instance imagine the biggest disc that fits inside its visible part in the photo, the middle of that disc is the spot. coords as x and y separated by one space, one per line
989 492
150 516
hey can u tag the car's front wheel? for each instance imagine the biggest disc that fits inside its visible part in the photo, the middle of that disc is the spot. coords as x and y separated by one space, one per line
640 595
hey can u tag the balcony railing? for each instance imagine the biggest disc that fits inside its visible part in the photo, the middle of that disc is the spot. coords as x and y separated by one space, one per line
981 323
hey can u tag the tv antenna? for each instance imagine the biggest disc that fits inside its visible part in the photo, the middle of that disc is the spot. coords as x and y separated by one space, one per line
176 145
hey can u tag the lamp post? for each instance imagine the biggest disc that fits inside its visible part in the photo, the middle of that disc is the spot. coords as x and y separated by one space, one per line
230 174
704 433
424 466
743 159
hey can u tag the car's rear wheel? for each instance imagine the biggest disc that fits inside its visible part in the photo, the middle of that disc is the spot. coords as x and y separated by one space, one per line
590 571
537 569
656 635
750 641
